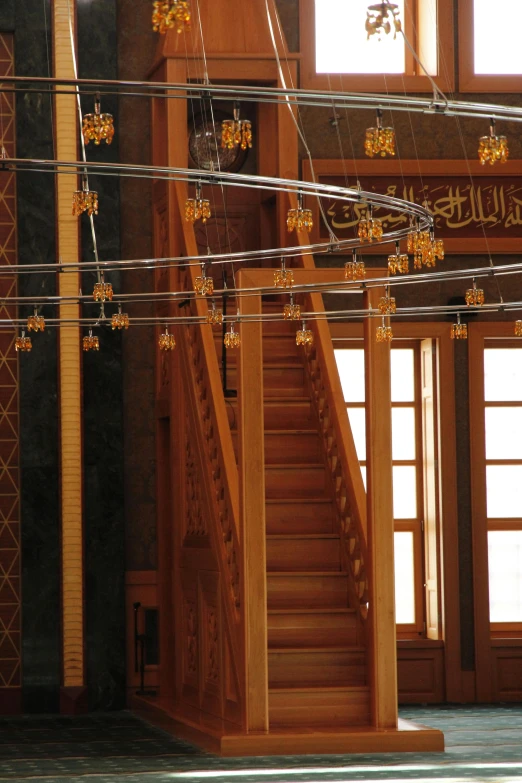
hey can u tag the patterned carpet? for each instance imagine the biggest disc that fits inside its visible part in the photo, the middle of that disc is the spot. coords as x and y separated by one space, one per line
482 744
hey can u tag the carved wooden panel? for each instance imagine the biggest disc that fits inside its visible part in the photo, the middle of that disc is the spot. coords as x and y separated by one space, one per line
211 642
195 517
190 643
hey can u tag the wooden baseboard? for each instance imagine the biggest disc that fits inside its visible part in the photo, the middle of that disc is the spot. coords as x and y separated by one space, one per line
408 737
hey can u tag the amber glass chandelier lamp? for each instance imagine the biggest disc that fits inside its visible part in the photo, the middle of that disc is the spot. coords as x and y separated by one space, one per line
354 269
98 127
379 140
170 15
236 132
299 219
493 147
85 200
197 208
382 18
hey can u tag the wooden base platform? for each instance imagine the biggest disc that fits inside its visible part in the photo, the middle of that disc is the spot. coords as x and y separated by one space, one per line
408 738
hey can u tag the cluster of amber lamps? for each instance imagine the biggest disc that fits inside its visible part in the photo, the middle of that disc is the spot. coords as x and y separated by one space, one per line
379 140
232 338
354 269
23 343
166 341
292 310
370 228
85 200
299 219
475 296
170 14
98 127
304 336
102 291
204 285
398 262
425 248
383 18
214 315
459 331
283 277
493 147
120 320
236 132
384 333
91 342
197 208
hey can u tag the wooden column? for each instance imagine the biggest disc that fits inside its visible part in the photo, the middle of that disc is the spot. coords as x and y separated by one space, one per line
252 511
382 632
66 125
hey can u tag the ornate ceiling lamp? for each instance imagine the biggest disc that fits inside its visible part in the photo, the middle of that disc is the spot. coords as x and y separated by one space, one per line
475 296
120 320
236 132
304 336
387 304
399 262
379 140
384 334
168 14
23 343
203 285
493 147
381 17
166 341
85 200
90 342
214 316
299 219
98 127
232 338
197 208
370 228
292 311
459 331
354 269
283 278
102 291
35 322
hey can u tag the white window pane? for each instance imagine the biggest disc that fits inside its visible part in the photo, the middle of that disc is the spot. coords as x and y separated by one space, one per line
427 31
404 578
504 498
357 418
497 37
404 492
403 433
342 45
402 375
504 433
505 576
350 363
363 472
503 374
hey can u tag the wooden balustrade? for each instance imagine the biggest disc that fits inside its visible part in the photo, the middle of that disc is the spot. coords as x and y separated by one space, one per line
341 456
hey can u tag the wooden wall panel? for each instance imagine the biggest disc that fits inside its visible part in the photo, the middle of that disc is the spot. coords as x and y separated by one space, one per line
507 669
10 569
420 674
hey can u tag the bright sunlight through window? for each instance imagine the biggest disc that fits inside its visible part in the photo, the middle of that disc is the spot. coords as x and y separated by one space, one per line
497 38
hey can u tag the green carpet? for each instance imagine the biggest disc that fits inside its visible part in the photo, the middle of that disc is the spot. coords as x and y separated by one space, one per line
482 744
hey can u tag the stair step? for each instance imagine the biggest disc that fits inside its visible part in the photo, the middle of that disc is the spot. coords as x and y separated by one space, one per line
307 589
311 627
291 515
284 446
279 380
303 553
294 480
288 413
308 667
319 706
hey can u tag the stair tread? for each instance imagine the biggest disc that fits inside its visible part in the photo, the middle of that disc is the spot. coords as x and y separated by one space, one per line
316 649
309 573
312 610
316 688
300 536
307 500
300 465
296 431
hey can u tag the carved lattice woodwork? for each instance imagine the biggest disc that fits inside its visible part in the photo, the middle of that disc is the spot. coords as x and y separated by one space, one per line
195 522
10 594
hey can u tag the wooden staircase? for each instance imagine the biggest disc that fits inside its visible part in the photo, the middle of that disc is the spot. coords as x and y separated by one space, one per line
317 668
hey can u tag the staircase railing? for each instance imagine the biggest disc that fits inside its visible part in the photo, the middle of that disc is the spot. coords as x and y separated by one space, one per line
341 456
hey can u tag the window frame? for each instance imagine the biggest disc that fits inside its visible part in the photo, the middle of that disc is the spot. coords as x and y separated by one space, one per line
447 469
469 81
349 82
